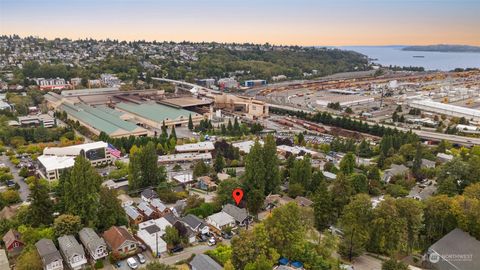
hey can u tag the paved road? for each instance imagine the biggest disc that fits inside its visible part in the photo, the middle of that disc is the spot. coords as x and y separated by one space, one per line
24 189
366 262
185 254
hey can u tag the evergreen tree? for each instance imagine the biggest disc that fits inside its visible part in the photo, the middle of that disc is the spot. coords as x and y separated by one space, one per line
322 207
254 185
301 173
272 172
173 134
81 191
347 164
41 207
190 122
143 167
110 210
134 169
342 188
219 163
230 127
417 162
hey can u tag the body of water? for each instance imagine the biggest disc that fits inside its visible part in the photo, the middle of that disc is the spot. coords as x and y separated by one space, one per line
395 56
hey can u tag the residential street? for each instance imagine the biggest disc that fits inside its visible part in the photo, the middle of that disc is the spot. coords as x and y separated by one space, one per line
24 190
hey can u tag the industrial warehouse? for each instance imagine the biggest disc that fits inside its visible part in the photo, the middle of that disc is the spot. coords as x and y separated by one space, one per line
123 114
446 109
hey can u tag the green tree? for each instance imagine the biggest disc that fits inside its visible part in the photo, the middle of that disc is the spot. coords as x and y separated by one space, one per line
172 238
29 260
411 211
364 150
67 224
359 183
322 207
252 245
272 172
219 163
355 223
342 188
190 122
158 266
287 227
110 210
254 184
301 173
393 264
200 169
347 164
41 207
389 228
143 167
81 191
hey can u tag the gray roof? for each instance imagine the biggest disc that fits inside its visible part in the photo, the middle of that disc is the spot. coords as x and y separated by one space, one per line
171 218
149 194
131 212
70 246
192 221
239 214
179 206
157 203
458 243
90 239
47 251
152 229
143 206
204 262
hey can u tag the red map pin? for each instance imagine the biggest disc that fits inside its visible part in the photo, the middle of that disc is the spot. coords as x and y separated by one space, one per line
237 195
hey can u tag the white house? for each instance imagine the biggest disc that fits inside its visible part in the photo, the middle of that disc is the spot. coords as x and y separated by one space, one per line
72 252
221 220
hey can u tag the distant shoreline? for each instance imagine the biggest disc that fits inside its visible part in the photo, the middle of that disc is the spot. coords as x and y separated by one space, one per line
444 48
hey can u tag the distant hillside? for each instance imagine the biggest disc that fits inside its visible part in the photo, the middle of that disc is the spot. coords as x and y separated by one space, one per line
443 48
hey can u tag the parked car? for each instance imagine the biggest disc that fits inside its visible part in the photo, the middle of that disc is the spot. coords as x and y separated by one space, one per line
141 258
176 249
212 241
202 238
227 235
132 263
142 247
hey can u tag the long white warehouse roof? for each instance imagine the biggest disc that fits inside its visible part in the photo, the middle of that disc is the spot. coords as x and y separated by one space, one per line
446 107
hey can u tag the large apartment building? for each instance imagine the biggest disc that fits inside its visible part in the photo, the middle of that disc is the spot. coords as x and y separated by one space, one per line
56 159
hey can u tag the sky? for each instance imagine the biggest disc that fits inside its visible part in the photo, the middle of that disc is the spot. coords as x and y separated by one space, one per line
281 22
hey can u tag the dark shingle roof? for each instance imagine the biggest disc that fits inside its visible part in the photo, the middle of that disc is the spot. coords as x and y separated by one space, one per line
239 214
192 221
458 243
47 251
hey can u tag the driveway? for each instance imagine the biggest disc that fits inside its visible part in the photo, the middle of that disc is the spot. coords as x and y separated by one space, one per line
24 189
366 262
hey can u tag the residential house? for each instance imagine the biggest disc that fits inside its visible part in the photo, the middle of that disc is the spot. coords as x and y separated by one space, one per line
457 250
239 214
49 254
171 218
394 170
95 245
120 241
147 212
274 200
206 183
150 234
133 215
221 220
148 194
442 157
204 262
428 164
13 242
178 208
72 252
159 207
196 224
302 201
185 231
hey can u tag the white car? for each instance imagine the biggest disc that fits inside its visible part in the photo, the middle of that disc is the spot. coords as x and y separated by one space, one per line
132 263
141 258
212 241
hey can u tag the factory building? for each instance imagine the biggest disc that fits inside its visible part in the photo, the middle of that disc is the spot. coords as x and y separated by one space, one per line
344 100
249 107
103 119
446 109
